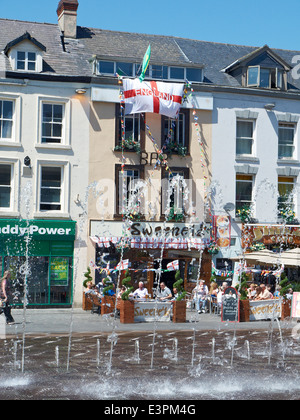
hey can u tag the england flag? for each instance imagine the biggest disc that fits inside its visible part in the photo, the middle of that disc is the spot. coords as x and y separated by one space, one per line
154 97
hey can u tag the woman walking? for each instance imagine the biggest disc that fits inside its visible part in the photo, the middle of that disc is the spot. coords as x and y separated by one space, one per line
5 294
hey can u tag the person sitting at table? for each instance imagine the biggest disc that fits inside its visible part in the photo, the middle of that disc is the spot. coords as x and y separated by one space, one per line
264 293
175 293
121 291
141 292
200 293
252 291
165 293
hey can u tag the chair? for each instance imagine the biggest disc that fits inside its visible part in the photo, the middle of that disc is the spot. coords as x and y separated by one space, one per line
190 303
96 303
214 307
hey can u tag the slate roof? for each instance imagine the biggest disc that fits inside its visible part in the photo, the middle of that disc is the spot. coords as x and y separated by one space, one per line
72 59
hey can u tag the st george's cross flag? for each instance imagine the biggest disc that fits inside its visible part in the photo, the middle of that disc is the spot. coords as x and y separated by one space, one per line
173 266
154 97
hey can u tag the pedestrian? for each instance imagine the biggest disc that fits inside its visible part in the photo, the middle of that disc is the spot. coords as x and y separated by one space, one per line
5 295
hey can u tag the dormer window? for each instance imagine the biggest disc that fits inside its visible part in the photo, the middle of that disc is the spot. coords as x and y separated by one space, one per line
25 54
262 68
265 78
26 61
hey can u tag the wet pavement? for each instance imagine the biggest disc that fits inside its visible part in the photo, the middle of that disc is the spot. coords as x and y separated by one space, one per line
201 359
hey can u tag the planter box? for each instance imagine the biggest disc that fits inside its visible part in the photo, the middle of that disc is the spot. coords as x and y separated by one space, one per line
179 311
107 305
286 308
87 304
244 311
126 311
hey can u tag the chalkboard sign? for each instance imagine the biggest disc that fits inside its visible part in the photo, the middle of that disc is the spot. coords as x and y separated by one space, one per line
230 305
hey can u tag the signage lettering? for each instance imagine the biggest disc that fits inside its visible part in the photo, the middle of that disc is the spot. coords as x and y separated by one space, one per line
142 229
36 228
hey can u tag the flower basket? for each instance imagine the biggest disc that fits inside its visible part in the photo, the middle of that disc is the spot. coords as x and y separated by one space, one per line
179 311
127 312
107 305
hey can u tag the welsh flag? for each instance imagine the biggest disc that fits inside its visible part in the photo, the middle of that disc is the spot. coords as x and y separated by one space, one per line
154 97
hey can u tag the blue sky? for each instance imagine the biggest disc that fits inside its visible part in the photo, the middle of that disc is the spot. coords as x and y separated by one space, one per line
256 23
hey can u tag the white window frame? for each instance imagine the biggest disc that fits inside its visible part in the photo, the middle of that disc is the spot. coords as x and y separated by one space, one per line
257 84
137 66
248 181
65 189
253 136
293 203
15 140
27 61
293 126
66 124
13 210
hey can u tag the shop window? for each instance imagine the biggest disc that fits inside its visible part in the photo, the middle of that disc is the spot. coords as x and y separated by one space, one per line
244 188
51 186
244 137
286 203
52 123
5 186
6 119
286 141
176 134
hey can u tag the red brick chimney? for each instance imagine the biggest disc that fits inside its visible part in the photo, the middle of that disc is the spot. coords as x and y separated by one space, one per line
67 17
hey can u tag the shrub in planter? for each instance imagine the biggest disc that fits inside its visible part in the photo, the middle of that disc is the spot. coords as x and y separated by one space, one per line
179 305
88 277
126 305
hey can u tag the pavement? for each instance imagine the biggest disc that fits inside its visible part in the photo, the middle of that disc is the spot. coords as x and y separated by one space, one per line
62 321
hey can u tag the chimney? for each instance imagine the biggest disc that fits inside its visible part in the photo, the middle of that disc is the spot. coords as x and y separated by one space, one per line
67 17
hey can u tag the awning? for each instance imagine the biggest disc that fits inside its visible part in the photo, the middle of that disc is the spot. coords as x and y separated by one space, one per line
152 242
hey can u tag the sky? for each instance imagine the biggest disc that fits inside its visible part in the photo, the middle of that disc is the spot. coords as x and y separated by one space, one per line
259 22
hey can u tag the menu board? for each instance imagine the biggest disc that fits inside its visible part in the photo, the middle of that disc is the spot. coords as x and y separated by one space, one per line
230 306
59 271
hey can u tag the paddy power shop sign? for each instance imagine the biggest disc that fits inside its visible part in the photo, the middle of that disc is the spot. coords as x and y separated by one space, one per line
41 250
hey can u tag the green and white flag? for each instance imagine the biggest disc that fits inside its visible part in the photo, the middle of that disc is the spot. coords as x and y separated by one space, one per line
146 62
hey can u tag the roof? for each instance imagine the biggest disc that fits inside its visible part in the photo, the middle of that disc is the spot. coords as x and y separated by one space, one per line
25 36
72 57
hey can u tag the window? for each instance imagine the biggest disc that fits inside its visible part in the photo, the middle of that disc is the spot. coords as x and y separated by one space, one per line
51 189
124 69
154 71
176 195
286 197
177 73
106 67
134 131
5 186
52 123
127 197
176 134
244 187
265 78
26 61
244 137
6 119
286 135
194 75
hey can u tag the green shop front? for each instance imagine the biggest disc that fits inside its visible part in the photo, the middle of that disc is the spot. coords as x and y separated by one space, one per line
39 254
